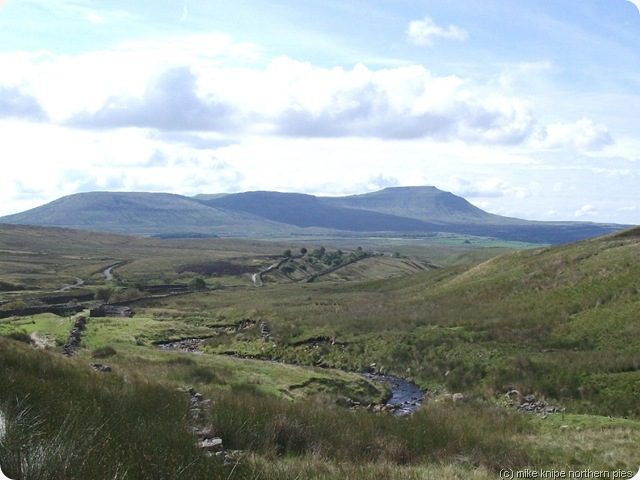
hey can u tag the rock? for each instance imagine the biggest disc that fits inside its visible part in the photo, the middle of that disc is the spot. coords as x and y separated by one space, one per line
214 443
512 394
458 398
529 399
99 367
203 432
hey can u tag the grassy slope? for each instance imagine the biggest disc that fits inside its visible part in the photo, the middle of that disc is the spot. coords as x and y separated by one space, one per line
555 322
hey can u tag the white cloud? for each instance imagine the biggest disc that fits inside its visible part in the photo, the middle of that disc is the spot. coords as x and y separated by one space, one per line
583 135
189 86
422 32
526 76
586 211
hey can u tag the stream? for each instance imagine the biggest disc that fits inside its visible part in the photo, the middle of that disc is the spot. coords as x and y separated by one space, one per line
406 396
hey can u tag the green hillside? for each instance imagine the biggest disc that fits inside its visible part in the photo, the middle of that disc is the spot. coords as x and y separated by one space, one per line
141 213
553 321
280 361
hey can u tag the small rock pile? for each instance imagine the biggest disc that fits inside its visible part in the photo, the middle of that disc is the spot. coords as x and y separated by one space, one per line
372 407
530 404
191 345
99 367
73 342
264 331
206 440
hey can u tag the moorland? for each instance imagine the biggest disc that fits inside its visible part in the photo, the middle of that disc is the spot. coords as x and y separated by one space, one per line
526 354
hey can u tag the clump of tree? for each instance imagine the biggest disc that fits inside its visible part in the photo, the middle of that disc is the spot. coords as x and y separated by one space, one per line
338 257
197 284
103 294
287 269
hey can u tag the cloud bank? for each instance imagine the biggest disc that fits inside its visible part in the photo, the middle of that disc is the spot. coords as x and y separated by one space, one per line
189 86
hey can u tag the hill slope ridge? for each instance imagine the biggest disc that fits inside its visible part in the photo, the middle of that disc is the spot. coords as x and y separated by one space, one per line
399 211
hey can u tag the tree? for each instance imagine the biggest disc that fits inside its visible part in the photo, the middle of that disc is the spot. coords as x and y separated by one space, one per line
287 253
287 269
303 251
103 294
197 283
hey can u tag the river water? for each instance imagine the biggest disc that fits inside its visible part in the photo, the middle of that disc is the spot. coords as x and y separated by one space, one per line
406 396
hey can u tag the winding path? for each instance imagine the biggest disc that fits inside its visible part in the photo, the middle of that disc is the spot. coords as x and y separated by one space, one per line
79 282
257 277
108 272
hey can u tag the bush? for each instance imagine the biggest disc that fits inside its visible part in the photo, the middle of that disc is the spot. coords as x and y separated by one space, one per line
197 284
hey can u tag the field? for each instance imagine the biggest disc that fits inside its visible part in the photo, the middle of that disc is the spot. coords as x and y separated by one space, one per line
281 333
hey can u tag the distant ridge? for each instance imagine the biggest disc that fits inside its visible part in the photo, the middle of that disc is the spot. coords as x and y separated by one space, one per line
137 213
309 211
397 211
423 203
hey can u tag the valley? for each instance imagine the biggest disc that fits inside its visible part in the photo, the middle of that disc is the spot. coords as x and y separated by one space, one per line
290 341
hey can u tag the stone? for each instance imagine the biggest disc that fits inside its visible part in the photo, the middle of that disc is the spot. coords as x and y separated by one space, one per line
458 398
99 367
511 394
203 432
214 443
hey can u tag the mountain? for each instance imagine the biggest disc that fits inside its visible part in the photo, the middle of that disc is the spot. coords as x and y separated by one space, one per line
403 211
138 213
310 211
423 203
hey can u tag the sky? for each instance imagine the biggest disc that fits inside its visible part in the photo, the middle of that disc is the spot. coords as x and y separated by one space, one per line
528 109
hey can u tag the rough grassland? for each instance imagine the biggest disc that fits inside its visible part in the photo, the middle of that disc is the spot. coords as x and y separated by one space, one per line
558 323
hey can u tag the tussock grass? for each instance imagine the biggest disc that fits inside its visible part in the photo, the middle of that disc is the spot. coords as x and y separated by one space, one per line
319 429
558 322
62 420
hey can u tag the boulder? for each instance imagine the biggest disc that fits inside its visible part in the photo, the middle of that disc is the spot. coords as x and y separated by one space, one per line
458 398
209 444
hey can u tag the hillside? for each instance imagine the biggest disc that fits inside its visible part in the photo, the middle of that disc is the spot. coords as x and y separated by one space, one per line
556 324
140 213
422 203
310 211
404 212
